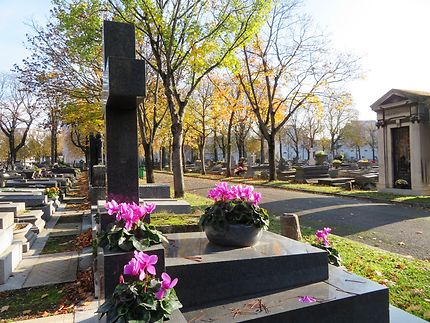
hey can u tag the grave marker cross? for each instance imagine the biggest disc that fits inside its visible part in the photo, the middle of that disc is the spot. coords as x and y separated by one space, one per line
123 83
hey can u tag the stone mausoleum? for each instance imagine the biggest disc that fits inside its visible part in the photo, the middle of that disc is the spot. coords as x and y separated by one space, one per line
403 142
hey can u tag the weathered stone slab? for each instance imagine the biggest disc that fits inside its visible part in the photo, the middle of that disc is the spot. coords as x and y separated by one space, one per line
29 200
9 260
306 172
154 191
22 191
6 237
170 205
53 269
48 210
6 220
15 207
344 297
274 263
96 194
31 183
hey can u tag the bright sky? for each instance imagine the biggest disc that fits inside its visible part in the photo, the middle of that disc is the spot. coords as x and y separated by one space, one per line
391 36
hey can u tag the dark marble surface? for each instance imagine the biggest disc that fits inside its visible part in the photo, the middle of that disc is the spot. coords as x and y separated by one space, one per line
342 298
274 263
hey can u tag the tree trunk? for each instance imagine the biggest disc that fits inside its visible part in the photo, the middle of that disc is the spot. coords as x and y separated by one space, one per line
53 145
280 148
272 163
202 146
262 158
12 156
178 174
149 163
215 151
228 148
183 157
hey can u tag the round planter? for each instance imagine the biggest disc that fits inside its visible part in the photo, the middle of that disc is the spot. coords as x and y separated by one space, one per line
22 232
235 235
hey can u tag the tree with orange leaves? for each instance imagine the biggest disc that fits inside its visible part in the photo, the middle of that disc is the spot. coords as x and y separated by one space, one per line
285 67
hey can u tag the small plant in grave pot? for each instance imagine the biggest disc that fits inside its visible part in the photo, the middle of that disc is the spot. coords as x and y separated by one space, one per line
401 183
130 232
320 157
52 192
146 299
235 219
362 163
322 242
336 163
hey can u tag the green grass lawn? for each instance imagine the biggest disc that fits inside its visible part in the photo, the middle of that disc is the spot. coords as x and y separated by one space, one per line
25 303
322 189
408 279
59 244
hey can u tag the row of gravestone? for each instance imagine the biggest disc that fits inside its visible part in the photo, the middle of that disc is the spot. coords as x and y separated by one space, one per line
24 211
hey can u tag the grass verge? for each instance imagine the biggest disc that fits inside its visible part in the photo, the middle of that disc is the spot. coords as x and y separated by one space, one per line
59 244
45 301
25 303
407 279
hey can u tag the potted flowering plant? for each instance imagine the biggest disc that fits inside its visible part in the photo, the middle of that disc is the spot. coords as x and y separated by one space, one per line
401 183
322 242
130 232
235 218
52 192
140 297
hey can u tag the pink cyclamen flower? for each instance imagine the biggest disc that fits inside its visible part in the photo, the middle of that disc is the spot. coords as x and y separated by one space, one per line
322 236
307 299
166 284
146 263
112 207
132 268
246 193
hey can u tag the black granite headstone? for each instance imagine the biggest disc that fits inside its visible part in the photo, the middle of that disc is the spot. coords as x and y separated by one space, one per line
123 82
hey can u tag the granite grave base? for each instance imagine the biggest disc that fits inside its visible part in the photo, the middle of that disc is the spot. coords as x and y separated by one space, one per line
274 263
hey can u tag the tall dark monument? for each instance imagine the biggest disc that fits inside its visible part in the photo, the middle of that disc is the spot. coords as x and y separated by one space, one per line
123 82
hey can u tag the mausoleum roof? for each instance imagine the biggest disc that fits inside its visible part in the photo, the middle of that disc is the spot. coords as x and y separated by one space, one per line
398 97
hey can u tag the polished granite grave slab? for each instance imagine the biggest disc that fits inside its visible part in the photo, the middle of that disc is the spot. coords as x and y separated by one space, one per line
274 263
344 297
29 200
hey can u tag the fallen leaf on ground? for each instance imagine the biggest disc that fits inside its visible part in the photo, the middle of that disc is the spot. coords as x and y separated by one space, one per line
44 295
4 308
26 312
417 291
195 258
414 308
419 232
427 300
377 273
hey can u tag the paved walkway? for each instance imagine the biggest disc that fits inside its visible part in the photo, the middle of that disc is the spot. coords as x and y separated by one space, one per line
38 270
396 228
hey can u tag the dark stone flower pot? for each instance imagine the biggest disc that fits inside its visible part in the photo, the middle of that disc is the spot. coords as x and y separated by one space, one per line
235 235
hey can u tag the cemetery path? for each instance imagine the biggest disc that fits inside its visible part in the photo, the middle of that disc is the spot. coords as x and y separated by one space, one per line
396 228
